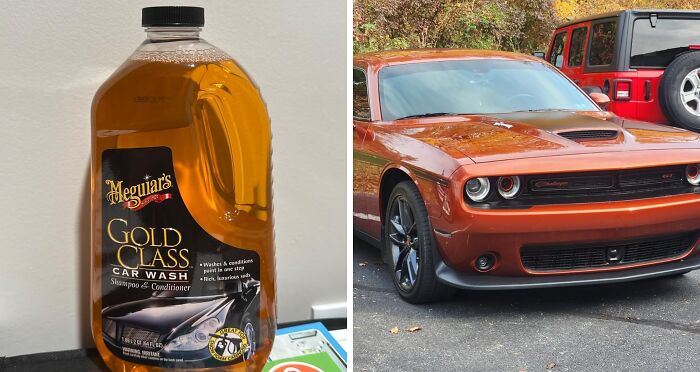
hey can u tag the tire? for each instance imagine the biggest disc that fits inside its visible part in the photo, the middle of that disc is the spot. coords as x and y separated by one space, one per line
417 245
673 82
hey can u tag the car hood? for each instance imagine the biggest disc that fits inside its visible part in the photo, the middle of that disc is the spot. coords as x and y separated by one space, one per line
163 314
536 134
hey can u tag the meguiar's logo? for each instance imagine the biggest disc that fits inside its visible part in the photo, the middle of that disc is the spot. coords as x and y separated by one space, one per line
138 196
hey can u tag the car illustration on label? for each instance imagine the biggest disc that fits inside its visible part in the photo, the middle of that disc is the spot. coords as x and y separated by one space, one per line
169 327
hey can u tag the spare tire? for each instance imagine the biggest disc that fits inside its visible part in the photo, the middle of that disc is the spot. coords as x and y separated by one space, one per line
679 91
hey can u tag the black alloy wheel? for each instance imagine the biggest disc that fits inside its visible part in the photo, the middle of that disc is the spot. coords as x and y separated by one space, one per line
409 245
404 241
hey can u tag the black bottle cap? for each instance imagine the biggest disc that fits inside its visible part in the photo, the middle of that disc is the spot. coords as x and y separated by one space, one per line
172 16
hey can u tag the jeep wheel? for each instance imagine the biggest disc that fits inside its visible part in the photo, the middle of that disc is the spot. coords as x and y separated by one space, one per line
679 92
409 246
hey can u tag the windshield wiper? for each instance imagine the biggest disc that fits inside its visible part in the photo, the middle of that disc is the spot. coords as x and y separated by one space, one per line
428 115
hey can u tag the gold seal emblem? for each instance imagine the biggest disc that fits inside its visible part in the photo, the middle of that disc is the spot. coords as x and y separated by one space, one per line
228 344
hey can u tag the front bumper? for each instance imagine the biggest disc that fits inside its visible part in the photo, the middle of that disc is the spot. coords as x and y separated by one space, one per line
479 281
471 233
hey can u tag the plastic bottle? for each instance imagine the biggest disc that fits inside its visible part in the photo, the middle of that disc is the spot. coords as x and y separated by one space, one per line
182 247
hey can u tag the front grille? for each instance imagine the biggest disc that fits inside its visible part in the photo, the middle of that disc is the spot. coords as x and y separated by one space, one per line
606 181
572 183
590 187
147 337
652 177
594 187
545 258
584 135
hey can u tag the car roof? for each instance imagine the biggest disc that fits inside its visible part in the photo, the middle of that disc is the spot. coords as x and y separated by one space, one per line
390 57
630 12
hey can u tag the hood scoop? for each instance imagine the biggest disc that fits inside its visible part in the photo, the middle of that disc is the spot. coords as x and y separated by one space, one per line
589 135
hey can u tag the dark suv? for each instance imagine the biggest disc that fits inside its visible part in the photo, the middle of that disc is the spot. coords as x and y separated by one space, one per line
646 61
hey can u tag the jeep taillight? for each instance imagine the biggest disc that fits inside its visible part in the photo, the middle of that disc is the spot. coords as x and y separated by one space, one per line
622 90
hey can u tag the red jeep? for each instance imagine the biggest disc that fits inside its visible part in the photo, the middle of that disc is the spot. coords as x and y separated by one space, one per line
646 61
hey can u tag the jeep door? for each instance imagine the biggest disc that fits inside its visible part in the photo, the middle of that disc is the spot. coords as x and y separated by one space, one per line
600 62
576 51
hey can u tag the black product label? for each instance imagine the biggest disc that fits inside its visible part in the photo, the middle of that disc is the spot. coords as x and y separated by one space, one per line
172 295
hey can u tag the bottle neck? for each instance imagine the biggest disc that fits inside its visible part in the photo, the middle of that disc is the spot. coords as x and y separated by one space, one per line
161 34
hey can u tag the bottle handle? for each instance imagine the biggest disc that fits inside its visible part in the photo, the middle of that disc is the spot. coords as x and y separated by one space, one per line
231 129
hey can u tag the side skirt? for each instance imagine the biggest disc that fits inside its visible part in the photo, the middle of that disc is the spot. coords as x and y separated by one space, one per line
367 238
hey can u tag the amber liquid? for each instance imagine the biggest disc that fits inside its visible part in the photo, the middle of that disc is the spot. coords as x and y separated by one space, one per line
211 116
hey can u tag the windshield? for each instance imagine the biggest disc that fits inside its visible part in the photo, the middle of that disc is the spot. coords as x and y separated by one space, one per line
658 45
484 86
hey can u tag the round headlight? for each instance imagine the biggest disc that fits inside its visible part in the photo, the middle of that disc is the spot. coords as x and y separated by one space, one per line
477 189
692 174
508 186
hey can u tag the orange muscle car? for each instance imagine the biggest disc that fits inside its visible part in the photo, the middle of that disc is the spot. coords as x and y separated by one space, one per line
491 170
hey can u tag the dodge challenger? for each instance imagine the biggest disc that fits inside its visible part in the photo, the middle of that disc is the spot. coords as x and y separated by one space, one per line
490 171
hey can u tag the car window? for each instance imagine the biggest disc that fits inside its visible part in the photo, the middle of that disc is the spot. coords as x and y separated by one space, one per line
602 44
658 46
556 55
578 38
482 86
360 102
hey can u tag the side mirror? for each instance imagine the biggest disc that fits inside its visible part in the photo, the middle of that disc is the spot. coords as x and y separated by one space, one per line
538 54
602 100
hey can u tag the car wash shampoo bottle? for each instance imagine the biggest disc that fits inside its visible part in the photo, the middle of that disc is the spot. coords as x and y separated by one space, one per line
183 265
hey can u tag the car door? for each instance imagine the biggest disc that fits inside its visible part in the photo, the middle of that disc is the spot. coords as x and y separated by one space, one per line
600 57
576 50
360 128
557 50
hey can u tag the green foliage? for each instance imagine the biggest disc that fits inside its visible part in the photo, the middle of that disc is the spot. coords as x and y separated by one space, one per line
481 24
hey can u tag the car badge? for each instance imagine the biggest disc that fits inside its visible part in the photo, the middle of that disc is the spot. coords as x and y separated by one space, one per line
502 124
542 184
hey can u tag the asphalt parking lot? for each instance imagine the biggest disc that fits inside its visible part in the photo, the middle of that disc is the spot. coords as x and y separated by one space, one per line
651 325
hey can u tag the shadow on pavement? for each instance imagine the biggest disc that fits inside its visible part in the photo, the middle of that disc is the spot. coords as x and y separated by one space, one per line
585 301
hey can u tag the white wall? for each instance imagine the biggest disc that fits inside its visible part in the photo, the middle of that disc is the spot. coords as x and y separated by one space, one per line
54 55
